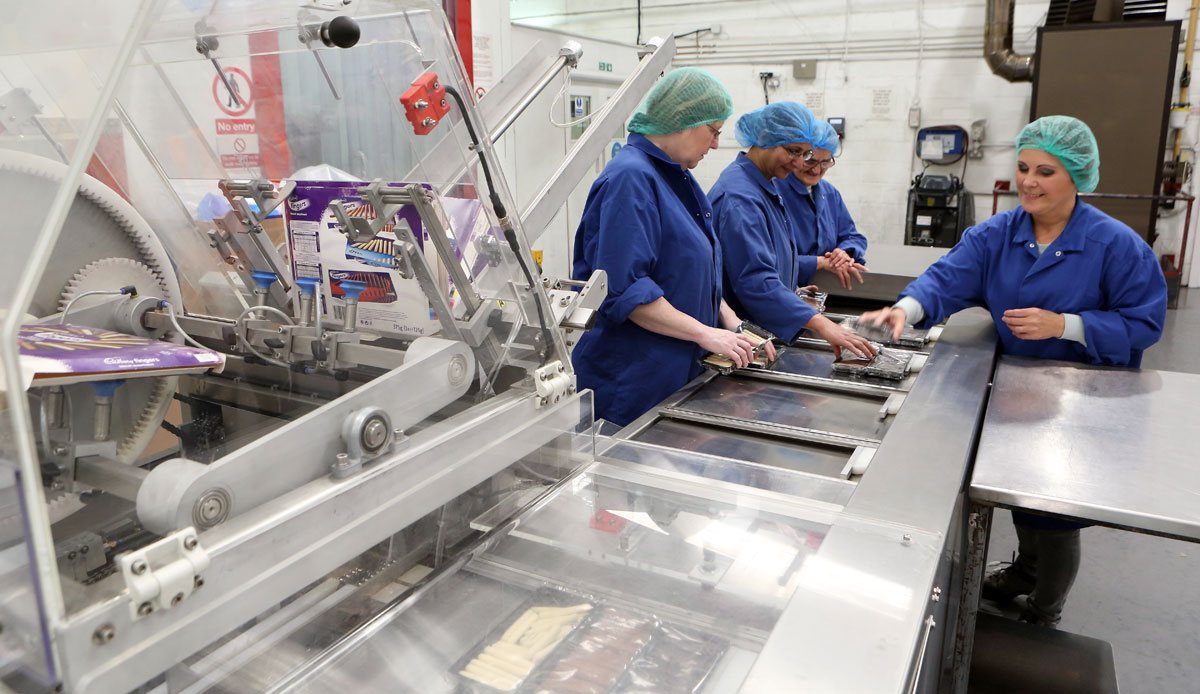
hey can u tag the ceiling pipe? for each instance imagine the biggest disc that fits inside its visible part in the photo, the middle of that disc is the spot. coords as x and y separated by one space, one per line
998 41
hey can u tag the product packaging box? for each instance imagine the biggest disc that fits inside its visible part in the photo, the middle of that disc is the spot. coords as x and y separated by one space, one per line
390 305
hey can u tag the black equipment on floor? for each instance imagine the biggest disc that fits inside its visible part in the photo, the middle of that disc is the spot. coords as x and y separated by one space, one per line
939 209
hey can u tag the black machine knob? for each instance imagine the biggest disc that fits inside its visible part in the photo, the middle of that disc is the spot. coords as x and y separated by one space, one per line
342 32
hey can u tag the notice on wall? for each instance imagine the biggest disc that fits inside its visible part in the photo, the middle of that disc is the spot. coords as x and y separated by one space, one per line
881 103
815 101
932 149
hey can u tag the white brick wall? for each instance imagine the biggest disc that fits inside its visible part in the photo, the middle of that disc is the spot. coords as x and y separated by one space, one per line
877 166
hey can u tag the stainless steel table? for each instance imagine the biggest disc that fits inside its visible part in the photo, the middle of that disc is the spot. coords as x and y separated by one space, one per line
1105 445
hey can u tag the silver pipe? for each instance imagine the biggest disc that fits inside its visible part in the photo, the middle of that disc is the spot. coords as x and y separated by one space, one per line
686 48
54 401
549 200
350 321
972 55
102 420
306 304
544 81
786 55
998 41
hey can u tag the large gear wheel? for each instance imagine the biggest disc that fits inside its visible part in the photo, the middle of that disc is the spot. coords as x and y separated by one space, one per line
108 273
104 244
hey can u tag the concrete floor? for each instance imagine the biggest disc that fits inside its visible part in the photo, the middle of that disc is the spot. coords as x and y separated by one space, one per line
1140 593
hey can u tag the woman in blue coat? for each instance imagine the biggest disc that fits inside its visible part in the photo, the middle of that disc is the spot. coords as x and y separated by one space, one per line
648 225
762 268
1062 280
826 237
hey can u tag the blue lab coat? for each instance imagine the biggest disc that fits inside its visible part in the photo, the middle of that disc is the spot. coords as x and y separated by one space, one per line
760 259
1097 268
819 223
648 225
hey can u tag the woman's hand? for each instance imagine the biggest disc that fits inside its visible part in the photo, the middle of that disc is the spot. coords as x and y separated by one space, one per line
853 270
839 259
890 316
839 338
1034 323
736 346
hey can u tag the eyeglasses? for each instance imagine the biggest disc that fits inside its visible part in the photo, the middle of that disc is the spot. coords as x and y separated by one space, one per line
804 154
812 163
715 132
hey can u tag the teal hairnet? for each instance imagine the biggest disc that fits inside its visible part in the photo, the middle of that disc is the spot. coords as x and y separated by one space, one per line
684 99
1071 141
824 136
780 123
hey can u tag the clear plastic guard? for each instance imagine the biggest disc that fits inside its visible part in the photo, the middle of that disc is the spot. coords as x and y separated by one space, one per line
305 645
53 76
241 94
24 642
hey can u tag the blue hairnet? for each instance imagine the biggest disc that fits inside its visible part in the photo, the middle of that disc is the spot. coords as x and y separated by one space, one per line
1071 141
824 136
684 99
780 123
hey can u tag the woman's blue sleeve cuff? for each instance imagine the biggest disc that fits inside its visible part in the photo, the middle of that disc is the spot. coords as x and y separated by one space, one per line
643 291
806 266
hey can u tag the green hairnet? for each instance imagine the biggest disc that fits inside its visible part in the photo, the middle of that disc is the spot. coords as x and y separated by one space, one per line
685 98
1071 141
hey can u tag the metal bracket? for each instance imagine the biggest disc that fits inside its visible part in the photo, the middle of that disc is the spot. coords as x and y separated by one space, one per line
359 229
163 574
711 569
387 201
577 310
367 434
553 383
489 247
17 107
244 224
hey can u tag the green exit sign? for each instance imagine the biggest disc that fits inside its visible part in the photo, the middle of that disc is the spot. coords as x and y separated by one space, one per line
605 67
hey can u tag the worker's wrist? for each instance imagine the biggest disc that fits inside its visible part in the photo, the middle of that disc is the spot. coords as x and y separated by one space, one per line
913 311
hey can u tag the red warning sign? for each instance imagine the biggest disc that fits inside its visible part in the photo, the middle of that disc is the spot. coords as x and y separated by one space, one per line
240 82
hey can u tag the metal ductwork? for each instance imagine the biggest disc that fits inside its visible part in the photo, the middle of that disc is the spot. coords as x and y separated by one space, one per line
998 41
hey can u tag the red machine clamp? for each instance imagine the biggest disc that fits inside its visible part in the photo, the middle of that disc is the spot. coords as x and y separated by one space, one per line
425 103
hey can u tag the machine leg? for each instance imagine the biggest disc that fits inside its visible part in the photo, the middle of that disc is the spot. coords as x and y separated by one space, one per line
979 524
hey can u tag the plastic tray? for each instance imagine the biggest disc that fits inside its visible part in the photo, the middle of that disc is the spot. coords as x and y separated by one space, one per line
543 597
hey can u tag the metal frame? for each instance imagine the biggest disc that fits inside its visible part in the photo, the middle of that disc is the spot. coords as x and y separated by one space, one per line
913 489
42 555
174 493
281 546
541 210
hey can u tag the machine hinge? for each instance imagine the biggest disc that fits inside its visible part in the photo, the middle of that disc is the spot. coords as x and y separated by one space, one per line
164 574
553 383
